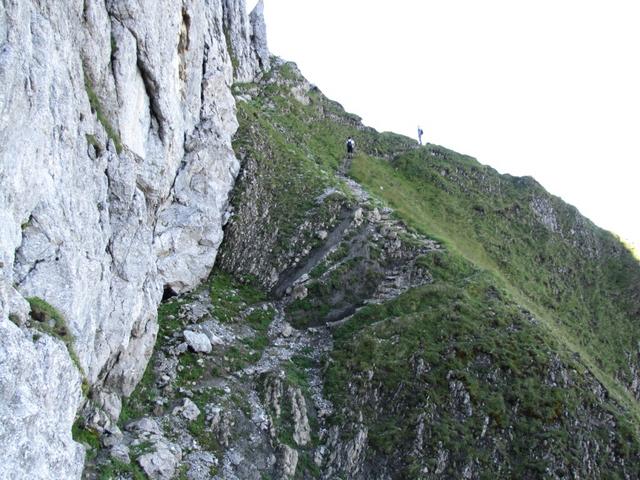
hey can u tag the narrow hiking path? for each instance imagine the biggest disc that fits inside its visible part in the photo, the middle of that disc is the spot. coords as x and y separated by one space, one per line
289 278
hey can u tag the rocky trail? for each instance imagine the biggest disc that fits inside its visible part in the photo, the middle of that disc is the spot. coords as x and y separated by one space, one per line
233 397
233 390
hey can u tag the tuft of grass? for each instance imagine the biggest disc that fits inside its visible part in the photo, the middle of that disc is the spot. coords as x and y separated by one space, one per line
198 428
13 318
86 436
192 371
230 296
205 437
47 315
141 401
306 467
48 320
93 140
96 106
115 469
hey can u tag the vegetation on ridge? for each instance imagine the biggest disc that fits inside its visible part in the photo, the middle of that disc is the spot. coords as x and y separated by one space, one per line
574 276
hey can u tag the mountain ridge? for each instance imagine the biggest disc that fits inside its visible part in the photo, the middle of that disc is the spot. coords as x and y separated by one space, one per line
405 313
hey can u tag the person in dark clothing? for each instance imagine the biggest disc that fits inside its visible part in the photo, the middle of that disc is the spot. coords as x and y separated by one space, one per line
420 133
351 146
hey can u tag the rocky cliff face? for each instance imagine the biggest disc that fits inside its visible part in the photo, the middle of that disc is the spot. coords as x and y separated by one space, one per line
115 169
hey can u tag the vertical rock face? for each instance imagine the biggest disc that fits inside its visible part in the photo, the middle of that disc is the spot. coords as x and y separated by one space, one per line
115 167
27 391
259 37
246 46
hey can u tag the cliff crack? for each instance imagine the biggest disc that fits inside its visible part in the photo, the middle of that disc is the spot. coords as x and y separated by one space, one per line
151 89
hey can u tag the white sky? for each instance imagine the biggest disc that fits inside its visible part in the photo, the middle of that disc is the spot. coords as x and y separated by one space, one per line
547 88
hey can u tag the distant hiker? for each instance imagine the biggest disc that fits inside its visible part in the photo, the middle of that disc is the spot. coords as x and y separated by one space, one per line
420 133
351 146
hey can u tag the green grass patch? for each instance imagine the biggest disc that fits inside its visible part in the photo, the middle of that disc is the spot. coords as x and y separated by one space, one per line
96 106
115 469
205 437
86 436
306 467
141 402
231 296
48 320
260 319
191 369
240 357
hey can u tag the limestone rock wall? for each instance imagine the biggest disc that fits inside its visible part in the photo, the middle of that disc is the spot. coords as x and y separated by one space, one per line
116 163
245 53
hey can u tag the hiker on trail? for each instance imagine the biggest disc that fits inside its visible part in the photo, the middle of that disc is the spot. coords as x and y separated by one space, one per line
420 133
351 146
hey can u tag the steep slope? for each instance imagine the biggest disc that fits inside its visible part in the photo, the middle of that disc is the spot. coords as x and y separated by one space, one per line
232 387
527 293
435 320
575 274
115 169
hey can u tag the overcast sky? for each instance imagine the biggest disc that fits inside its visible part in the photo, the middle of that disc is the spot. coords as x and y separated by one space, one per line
546 88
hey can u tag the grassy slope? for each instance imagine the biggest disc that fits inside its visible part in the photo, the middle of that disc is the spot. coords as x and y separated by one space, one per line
463 329
585 302
299 147
470 325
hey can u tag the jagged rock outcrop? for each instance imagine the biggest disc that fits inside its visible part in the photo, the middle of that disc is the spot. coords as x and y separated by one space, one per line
246 38
115 168
259 37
